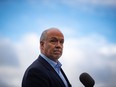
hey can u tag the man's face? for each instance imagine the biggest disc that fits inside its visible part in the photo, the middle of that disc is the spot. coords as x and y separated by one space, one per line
52 47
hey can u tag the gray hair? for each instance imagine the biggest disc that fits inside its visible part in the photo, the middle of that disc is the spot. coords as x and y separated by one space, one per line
44 33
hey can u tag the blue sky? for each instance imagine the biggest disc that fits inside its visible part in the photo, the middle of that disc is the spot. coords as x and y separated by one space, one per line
19 17
89 27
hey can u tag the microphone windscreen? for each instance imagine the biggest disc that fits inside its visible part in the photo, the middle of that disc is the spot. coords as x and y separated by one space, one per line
87 80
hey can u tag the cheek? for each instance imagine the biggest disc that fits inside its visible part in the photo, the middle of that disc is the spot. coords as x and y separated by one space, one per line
48 48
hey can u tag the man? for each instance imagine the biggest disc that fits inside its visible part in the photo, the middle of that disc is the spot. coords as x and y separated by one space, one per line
46 71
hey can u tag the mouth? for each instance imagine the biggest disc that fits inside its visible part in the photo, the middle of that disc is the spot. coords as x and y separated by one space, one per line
57 52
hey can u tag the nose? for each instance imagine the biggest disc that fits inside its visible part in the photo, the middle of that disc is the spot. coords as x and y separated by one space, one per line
58 44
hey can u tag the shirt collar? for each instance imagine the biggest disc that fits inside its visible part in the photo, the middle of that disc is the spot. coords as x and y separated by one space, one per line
51 62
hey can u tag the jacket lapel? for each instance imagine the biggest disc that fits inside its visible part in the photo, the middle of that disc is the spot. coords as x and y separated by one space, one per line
51 69
65 77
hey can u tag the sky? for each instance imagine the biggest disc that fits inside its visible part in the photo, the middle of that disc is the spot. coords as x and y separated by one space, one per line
89 27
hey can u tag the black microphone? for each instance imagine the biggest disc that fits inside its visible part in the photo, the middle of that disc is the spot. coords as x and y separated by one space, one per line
86 80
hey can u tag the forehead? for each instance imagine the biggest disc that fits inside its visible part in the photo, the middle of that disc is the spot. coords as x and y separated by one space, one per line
55 34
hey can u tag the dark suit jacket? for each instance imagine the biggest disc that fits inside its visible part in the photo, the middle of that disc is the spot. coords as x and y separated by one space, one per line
41 74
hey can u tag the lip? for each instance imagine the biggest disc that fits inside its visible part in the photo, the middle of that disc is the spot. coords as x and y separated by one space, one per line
57 52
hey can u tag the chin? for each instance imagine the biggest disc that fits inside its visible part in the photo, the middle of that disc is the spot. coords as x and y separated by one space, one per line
57 57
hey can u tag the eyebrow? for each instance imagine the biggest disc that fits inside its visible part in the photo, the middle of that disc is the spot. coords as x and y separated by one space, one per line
56 38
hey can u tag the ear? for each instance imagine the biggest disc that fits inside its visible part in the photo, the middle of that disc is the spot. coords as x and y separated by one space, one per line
41 44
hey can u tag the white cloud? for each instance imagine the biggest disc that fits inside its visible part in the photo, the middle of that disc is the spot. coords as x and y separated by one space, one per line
8 56
92 54
88 6
91 2
87 54
94 2
28 49
10 76
108 51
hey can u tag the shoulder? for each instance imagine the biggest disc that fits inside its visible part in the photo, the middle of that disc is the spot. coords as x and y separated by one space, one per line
39 65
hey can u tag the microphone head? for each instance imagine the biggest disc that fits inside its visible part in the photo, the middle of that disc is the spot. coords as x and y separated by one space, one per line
87 80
